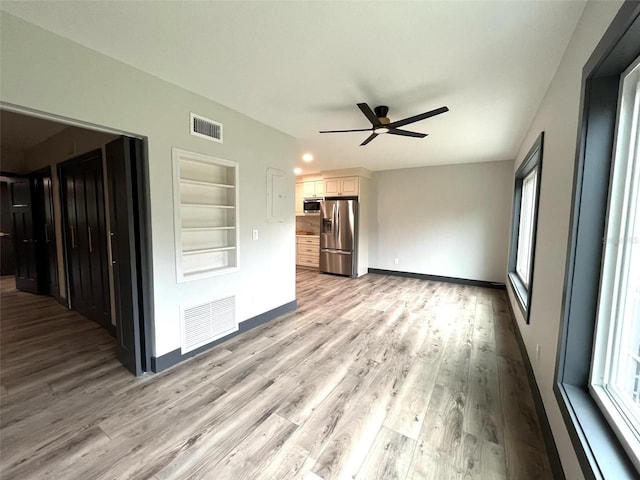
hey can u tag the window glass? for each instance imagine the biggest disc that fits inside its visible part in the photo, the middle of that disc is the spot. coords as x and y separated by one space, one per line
525 229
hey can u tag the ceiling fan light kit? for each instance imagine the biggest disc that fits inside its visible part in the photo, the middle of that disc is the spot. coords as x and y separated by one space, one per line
381 124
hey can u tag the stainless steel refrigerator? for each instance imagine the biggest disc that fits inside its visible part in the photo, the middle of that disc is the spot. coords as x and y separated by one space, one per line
338 236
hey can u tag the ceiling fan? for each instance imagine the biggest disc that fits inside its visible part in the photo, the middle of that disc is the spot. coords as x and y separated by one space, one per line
381 124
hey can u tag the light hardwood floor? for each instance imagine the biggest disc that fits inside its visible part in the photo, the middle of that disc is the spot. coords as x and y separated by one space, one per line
372 378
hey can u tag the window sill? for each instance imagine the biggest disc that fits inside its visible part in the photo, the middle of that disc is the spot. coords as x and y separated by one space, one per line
600 454
521 294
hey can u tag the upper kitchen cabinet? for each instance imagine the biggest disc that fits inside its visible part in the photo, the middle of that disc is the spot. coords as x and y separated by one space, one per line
313 188
341 187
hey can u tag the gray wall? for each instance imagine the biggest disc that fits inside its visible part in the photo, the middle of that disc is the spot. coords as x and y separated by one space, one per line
450 220
558 117
46 72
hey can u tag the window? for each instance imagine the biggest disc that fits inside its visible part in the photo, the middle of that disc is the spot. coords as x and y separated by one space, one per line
615 373
525 214
597 367
525 229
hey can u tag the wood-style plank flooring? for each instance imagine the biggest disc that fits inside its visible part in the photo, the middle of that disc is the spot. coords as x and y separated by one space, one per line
373 378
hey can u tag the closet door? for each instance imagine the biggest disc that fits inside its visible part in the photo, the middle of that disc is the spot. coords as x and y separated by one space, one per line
82 188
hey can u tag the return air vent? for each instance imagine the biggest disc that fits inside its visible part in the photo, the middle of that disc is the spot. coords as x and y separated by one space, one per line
202 324
205 128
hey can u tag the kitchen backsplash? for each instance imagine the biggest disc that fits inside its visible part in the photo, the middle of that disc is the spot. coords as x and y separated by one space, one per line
308 224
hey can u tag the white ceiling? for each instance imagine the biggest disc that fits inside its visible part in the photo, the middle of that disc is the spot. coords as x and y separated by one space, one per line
302 66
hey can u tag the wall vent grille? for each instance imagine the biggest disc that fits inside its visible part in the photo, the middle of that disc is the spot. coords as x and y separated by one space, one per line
205 128
204 323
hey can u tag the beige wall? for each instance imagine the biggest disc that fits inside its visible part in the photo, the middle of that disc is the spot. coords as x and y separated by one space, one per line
48 73
449 220
558 118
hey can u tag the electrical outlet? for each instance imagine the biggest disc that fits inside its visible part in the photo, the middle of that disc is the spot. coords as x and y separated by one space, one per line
396 261
538 352
255 234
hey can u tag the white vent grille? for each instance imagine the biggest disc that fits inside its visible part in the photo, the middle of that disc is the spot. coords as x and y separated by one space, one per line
205 128
202 324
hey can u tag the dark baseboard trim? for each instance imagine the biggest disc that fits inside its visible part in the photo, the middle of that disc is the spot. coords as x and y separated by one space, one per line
545 427
438 278
174 357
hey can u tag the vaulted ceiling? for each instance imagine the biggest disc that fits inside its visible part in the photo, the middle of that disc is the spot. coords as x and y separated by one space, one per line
302 67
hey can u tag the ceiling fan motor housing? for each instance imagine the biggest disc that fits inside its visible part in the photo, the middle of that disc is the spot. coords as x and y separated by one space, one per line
381 113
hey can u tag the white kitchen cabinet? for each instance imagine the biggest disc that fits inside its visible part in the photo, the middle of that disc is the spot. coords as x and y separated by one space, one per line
300 198
313 188
206 217
341 187
308 251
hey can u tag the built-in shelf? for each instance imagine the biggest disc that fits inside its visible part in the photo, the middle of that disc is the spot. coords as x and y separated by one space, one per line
205 229
207 205
206 250
202 183
206 216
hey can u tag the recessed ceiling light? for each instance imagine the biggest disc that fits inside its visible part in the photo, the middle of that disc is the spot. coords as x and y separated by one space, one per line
307 157
297 170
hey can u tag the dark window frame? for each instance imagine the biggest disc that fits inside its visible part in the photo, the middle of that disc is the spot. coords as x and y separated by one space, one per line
599 452
532 161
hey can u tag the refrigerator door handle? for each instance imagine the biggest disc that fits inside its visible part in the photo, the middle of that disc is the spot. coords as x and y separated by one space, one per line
339 252
337 232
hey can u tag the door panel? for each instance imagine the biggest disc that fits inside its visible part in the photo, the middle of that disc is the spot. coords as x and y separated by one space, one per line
51 252
24 241
46 254
7 262
124 253
81 183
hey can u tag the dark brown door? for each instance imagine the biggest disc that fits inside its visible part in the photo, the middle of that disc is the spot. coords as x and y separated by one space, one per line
43 226
7 262
24 240
85 236
122 155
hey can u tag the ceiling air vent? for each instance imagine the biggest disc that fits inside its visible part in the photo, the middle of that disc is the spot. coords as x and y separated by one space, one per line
205 128
204 323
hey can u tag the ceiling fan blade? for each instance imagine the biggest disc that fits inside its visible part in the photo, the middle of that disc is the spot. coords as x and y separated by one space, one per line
406 133
417 118
369 138
342 131
369 114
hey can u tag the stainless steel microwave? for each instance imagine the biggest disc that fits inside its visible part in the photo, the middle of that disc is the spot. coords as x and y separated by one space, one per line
312 205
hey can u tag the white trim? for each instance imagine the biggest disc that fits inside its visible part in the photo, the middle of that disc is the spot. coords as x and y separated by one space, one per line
9 107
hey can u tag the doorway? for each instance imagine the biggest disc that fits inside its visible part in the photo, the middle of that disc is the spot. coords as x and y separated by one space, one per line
27 221
89 245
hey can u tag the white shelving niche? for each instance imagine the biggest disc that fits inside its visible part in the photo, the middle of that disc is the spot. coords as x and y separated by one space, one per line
206 215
